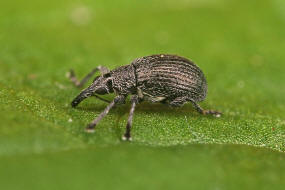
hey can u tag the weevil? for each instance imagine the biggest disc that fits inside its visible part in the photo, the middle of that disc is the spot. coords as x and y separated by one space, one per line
164 78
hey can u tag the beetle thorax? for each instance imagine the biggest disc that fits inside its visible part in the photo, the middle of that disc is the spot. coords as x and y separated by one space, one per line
124 79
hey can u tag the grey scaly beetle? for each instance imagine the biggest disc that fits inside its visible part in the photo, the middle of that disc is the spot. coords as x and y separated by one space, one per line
164 78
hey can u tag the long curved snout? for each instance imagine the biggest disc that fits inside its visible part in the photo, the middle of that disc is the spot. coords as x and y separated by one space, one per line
83 95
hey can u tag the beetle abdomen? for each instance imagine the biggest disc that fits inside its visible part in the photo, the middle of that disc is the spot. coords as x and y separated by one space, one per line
170 76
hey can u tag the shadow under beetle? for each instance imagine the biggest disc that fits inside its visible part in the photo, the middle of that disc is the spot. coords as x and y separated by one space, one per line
168 79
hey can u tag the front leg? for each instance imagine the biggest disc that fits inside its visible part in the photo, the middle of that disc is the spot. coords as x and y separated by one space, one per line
78 83
134 102
206 112
117 100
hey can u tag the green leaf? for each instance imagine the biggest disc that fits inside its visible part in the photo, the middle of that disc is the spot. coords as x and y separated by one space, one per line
238 44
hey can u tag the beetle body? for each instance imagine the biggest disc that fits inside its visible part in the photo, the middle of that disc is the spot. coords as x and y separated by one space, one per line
164 78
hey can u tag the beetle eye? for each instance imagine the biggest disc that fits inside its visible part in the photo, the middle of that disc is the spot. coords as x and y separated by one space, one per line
101 91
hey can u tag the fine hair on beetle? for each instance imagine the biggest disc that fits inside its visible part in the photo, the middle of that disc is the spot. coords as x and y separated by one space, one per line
164 78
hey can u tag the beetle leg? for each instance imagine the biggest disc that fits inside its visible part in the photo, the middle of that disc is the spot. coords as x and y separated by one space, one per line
178 102
78 83
206 112
127 135
117 100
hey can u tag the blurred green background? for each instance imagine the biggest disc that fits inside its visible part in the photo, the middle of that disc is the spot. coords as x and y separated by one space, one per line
239 45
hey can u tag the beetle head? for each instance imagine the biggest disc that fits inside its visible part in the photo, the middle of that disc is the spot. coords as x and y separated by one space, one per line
101 85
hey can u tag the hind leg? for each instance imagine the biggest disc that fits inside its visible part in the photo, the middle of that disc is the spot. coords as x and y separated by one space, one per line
178 102
206 112
78 83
